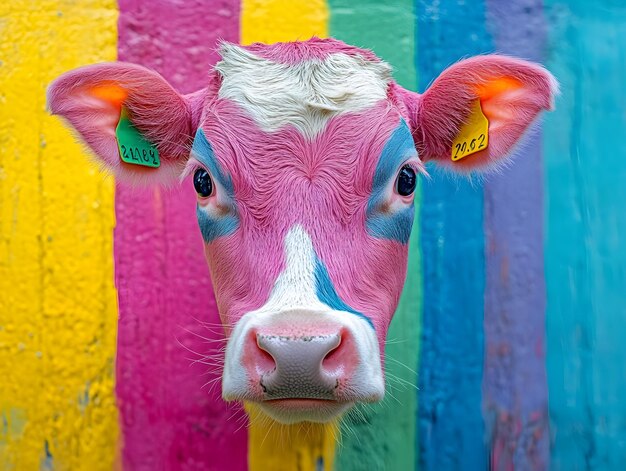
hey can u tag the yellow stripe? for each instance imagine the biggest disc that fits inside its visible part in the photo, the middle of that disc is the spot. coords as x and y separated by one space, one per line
58 312
270 21
273 446
277 447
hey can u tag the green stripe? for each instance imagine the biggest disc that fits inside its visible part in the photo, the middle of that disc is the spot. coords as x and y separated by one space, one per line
384 436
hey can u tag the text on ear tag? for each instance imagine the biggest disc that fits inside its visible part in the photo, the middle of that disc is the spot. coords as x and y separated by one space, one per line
133 146
473 135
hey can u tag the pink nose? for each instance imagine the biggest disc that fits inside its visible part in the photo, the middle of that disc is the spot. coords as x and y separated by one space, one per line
303 367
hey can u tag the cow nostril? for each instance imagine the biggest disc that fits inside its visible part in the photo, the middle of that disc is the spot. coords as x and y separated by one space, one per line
263 360
332 354
333 361
266 361
301 366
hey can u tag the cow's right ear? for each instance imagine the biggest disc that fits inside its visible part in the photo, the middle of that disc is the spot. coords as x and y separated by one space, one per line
92 99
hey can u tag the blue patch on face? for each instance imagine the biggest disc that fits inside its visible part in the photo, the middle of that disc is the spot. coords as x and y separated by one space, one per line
326 292
396 225
211 226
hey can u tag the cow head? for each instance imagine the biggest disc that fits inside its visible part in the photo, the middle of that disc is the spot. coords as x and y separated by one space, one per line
304 157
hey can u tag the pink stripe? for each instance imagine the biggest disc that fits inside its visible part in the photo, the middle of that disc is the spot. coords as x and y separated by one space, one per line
169 421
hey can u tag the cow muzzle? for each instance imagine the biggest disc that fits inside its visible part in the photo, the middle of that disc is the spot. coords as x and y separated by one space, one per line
303 365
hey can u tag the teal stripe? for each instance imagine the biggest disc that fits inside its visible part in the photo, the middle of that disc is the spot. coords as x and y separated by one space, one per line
585 220
383 437
451 424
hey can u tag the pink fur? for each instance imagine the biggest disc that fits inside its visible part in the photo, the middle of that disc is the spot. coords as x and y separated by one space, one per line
281 179
441 110
314 48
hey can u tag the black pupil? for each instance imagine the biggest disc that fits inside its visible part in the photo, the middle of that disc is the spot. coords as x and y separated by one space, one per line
406 181
202 183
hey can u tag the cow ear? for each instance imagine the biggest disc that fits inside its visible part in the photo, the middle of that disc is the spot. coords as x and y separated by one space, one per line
510 93
93 98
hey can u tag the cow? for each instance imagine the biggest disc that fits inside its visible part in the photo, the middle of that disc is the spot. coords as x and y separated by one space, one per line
305 158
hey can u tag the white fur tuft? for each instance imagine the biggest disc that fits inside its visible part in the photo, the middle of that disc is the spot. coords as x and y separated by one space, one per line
305 95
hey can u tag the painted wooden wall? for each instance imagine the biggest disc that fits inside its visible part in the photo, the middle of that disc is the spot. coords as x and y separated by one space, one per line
506 351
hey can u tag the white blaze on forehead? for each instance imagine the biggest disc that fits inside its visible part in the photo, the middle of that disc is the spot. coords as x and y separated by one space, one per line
306 94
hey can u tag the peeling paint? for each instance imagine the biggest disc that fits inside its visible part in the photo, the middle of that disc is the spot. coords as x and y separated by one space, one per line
47 463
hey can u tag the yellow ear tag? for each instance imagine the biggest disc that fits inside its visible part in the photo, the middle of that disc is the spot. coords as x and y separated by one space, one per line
473 135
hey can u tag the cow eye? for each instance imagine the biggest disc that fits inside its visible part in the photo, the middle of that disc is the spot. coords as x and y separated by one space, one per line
202 183
406 181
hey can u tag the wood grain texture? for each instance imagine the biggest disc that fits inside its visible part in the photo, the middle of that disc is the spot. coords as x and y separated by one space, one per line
451 424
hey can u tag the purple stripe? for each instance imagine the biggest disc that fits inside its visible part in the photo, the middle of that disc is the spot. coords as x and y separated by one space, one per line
515 384
168 420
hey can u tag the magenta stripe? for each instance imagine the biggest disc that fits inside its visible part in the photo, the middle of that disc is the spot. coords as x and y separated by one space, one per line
515 384
169 421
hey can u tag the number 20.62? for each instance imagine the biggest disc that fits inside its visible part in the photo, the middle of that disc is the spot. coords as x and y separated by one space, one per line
464 147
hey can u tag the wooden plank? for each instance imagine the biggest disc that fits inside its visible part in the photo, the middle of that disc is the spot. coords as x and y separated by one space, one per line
451 362
58 304
171 419
384 436
514 380
585 171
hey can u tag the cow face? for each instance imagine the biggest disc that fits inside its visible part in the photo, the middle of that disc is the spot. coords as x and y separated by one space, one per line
304 157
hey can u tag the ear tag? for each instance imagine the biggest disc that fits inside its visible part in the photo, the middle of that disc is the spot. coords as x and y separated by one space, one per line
473 135
133 146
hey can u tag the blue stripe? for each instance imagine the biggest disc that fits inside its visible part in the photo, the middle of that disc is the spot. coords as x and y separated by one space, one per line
213 227
203 151
451 428
396 226
326 292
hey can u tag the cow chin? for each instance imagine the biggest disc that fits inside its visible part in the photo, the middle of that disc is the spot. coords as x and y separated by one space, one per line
303 364
291 411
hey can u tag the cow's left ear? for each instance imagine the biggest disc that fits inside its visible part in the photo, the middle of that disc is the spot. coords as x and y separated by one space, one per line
493 94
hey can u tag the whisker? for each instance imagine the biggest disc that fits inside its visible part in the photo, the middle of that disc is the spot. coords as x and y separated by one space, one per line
398 362
222 337
395 341
401 381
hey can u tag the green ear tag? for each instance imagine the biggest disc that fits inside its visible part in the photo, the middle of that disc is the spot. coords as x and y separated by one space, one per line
134 148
